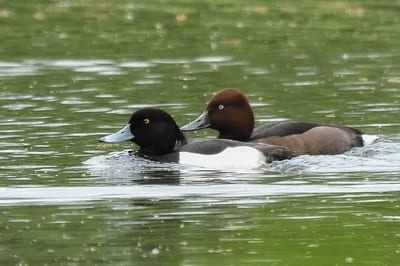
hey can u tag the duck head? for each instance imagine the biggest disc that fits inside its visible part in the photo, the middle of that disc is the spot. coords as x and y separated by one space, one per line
153 130
229 113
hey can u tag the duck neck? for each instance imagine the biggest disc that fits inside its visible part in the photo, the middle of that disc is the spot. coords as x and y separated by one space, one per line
237 136
180 140
238 128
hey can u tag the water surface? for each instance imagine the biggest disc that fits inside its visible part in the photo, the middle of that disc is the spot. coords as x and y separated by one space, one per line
73 71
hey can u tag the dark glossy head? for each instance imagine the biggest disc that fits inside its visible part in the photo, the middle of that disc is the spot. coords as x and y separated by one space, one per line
229 112
153 130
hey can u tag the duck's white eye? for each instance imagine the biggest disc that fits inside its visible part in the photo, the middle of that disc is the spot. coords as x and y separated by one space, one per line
220 107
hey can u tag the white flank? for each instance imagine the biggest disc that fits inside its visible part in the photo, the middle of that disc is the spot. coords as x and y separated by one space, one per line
370 139
242 157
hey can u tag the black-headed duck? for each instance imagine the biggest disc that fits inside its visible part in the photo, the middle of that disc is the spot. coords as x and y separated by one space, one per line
160 139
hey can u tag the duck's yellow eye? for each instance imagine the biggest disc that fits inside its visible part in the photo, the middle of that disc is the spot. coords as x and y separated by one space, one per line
146 121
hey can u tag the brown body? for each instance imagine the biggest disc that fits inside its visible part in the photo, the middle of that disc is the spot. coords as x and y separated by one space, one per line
318 140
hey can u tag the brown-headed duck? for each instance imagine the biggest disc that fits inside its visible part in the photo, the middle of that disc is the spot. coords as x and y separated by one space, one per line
229 113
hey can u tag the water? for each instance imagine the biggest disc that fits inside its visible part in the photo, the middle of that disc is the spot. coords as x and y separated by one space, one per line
71 72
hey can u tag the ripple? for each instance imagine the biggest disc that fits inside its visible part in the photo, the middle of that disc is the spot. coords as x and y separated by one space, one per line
121 111
93 110
77 194
136 64
12 151
44 98
10 136
104 95
137 106
383 109
346 73
171 61
57 85
302 83
4 64
18 106
357 88
100 69
27 167
347 56
11 96
111 72
11 69
43 108
73 63
75 101
59 124
257 71
213 59
309 73
147 82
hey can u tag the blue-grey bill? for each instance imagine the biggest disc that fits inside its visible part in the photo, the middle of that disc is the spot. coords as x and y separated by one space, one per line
203 121
122 135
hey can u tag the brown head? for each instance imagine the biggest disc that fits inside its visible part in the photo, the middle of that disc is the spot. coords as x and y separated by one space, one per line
229 113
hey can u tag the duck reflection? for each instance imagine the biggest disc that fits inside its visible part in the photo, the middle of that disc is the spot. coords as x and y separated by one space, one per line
157 177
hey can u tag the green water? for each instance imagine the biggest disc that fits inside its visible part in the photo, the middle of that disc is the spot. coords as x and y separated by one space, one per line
73 71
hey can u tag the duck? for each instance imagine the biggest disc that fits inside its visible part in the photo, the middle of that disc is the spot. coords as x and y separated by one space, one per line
230 113
160 139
